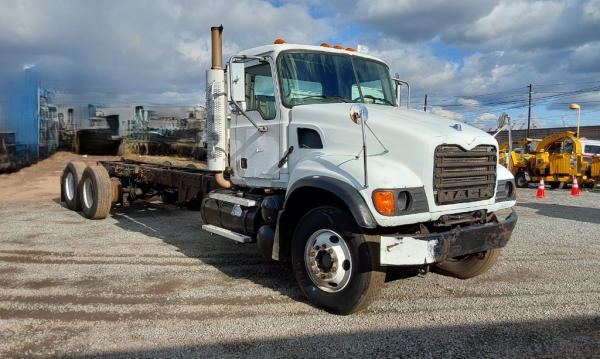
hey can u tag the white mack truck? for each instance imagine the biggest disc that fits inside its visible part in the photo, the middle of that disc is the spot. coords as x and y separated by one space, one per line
311 156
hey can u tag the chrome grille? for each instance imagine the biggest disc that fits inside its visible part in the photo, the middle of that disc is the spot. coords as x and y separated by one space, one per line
464 176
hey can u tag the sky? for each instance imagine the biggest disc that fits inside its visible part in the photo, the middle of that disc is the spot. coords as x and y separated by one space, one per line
474 59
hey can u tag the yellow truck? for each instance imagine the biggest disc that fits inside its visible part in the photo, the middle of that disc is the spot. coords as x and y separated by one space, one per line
558 158
517 161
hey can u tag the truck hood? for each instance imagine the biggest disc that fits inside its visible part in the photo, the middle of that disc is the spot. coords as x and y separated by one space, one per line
399 130
410 137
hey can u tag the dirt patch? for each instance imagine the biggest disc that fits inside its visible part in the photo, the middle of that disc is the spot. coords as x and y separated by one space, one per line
41 181
41 260
513 275
140 299
100 316
164 287
28 252
10 270
39 284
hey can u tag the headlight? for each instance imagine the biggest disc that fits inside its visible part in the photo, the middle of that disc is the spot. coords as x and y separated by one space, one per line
397 202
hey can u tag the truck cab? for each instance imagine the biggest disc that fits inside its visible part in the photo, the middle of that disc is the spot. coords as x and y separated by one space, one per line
335 176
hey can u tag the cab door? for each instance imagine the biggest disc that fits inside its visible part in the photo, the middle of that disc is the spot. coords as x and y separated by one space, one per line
256 154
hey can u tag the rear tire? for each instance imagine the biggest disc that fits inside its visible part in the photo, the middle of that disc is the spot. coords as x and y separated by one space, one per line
468 266
96 192
69 181
342 276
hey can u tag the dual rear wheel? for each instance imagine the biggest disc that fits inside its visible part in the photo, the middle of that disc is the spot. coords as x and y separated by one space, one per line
87 188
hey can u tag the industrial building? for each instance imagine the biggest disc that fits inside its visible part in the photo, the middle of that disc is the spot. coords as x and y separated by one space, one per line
29 124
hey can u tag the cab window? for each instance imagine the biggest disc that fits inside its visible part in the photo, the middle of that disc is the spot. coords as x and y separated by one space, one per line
260 94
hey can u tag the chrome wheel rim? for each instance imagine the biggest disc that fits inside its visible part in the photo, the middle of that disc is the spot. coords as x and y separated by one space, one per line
69 186
88 193
328 260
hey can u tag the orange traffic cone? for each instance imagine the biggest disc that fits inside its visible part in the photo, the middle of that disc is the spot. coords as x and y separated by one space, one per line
541 192
575 187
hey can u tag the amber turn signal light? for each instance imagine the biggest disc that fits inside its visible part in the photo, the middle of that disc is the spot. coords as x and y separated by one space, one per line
385 202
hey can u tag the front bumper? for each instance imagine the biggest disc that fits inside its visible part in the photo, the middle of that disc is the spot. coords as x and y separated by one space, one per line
420 249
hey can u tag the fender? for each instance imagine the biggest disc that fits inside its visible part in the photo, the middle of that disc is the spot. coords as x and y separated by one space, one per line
345 192
348 194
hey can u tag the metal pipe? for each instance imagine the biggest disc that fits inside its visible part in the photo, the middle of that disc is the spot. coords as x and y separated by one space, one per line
216 38
364 148
221 181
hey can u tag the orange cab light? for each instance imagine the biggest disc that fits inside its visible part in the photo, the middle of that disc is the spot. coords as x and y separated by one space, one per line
279 42
385 202
338 47
350 49
325 44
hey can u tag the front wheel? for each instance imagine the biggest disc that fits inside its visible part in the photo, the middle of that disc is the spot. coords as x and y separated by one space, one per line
468 266
336 266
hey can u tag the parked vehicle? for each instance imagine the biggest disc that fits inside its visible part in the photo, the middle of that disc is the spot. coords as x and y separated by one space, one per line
321 167
590 148
517 161
558 159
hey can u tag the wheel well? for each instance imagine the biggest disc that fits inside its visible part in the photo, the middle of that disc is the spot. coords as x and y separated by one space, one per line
297 205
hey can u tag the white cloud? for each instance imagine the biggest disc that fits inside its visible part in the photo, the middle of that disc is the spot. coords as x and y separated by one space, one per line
485 121
139 49
447 114
157 50
468 102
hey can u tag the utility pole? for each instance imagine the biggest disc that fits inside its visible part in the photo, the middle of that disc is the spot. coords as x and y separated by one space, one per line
425 105
529 113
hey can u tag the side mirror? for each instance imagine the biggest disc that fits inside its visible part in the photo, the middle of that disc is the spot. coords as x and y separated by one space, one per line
399 83
237 83
359 113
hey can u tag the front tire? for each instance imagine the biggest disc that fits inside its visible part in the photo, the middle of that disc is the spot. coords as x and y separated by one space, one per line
96 192
468 266
336 266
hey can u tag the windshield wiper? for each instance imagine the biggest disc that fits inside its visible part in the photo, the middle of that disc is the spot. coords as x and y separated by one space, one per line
384 100
324 96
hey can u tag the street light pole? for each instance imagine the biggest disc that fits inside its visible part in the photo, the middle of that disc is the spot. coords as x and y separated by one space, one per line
575 106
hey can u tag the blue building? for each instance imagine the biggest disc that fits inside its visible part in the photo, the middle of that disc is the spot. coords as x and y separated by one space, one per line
28 123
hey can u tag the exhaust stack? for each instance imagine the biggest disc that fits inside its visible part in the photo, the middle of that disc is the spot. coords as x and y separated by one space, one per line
216 110
216 38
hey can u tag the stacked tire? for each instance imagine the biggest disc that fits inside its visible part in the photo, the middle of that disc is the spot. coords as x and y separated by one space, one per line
87 188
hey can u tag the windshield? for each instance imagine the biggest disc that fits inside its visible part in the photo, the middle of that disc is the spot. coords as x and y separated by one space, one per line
324 78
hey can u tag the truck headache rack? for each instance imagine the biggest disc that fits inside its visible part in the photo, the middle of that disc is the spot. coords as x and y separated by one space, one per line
464 176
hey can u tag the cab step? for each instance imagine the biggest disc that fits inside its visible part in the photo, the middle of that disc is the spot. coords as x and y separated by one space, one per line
246 202
227 233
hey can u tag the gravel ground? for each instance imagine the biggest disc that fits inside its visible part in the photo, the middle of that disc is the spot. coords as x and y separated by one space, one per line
148 282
